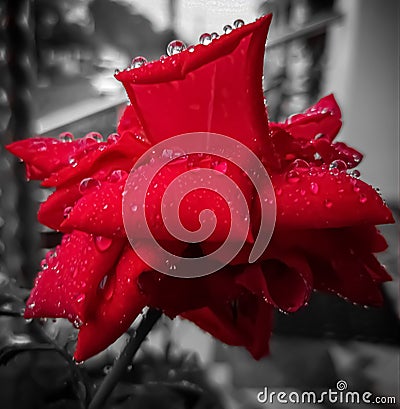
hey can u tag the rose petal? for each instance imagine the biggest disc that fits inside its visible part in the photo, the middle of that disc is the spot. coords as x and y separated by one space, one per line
190 205
105 157
215 88
118 302
246 322
284 281
323 118
99 211
320 199
68 286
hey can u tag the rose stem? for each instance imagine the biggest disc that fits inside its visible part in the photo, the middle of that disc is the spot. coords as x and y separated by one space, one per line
124 359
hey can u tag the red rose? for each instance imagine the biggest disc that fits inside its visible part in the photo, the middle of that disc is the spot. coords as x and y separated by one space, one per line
325 236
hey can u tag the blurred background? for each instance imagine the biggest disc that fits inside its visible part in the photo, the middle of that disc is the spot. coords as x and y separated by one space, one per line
57 60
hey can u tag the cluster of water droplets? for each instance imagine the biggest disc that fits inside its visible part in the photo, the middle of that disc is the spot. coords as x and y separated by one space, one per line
177 46
299 167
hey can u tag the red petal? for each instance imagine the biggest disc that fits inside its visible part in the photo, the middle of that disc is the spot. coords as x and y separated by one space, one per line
176 295
99 211
44 156
191 204
102 157
129 122
247 322
340 259
52 212
68 286
117 306
215 88
320 199
285 282
323 118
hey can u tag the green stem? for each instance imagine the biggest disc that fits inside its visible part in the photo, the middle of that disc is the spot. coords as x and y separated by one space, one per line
124 359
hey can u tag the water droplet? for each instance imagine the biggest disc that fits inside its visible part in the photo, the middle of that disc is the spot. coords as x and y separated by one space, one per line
357 157
73 162
328 204
238 23
205 39
117 175
138 62
117 71
102 243
67 211
107 369
356 188
338 165
191 48
44 265
278 191
113 137
88 184
175 47
355 173
93 137
31 305
134 207
80 298
77 323
214 35
227 29
293 176
66 137
363 198
314 187
299 164
103 282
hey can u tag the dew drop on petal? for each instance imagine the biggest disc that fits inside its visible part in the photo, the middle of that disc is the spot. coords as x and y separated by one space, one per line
88 184
44 265
80 298
113 137
338 165
328 204
214 35
93 136
138 62
278 191
299 164
116 71
238 23
102 243
175 47
205 39
314 187
363 198
227 29
31 305
67 211
117 175
293 176
355 173
134 208
66 137
103 282
77 323
73 162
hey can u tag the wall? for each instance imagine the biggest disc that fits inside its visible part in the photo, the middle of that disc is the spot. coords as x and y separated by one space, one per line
363 72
